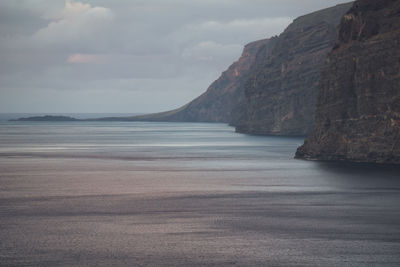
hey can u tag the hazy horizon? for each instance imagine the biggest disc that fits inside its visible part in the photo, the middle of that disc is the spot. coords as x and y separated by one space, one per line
127 56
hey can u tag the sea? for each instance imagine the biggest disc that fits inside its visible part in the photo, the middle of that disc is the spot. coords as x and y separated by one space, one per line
186 194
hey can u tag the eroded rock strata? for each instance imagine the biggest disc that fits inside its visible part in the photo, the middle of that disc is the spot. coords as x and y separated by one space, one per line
280 96
358 107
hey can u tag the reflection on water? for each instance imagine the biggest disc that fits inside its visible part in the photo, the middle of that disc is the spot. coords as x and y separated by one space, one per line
121 193
236 161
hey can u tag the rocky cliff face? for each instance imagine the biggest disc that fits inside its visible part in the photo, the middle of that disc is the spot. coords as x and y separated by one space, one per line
224 94
358 110
280 96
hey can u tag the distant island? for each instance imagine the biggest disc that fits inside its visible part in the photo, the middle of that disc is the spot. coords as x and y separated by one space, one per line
47 118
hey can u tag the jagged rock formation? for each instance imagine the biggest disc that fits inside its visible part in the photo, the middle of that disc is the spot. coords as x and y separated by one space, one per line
358 111
280 97
224 94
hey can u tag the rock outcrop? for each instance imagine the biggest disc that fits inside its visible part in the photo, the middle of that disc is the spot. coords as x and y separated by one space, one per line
224 94
358 108
280 97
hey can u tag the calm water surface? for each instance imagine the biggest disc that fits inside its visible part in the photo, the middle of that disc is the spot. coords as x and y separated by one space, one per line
186 194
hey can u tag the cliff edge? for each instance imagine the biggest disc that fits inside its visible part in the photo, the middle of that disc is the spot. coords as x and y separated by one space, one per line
358 107
280 96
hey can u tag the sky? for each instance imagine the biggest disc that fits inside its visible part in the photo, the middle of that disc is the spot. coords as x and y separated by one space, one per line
127 56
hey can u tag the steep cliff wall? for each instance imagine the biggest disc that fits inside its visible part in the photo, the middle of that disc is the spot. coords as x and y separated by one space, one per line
358 110
280 96
217 103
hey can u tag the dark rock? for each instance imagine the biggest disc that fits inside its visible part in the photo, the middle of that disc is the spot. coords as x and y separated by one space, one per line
358 108
280 96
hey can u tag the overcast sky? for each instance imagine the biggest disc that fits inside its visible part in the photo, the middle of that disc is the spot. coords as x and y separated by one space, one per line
127 55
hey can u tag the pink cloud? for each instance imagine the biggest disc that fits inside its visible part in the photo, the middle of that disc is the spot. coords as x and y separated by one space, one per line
82 58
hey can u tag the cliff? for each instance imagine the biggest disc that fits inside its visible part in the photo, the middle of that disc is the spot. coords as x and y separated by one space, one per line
280 96
358 108
224 94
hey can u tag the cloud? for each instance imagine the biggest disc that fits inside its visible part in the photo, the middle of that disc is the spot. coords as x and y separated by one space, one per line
83 58
73 9
260 24
210 50
238 31
77 26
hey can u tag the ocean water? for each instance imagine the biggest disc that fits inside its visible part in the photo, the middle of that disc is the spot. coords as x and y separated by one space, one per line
186 194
